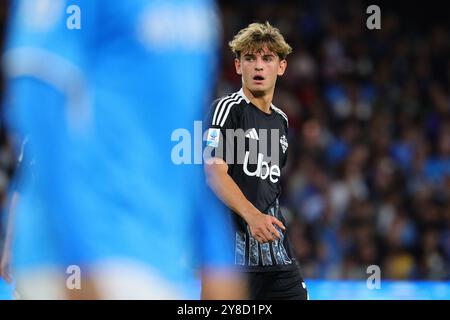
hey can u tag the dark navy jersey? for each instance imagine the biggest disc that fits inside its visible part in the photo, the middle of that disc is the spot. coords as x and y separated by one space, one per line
255 147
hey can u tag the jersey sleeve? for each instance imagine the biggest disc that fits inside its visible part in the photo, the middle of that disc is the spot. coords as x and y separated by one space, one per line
222 121
46 68
284 136
286 154
58 31
46 60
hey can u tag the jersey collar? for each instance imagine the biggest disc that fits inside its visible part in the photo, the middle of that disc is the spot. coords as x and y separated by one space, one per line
242 94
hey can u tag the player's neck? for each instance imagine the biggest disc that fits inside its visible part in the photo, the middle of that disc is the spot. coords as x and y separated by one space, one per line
262 102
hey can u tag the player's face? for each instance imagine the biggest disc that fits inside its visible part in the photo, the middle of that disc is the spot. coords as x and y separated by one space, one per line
259 70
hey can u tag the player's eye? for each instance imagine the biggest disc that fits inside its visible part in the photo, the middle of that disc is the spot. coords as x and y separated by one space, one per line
267 58
249 58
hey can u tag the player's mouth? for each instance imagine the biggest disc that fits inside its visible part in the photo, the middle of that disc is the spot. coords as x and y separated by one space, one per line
258 79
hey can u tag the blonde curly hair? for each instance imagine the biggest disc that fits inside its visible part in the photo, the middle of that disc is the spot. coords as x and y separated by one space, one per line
256 36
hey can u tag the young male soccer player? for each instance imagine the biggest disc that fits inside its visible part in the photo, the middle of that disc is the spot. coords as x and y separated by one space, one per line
248 144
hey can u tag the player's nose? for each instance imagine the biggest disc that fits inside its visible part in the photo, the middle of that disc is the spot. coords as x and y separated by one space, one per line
258 64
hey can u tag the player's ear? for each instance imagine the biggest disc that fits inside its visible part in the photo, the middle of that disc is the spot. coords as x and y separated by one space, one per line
282 67
237 65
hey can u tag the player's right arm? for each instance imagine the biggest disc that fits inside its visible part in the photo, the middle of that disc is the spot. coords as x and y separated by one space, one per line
261 225
224 115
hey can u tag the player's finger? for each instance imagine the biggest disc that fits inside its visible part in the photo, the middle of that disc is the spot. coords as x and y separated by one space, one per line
278 223
260 238
274 231
268 235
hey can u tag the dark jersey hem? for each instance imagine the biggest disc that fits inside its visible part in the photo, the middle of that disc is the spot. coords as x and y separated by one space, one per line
275 268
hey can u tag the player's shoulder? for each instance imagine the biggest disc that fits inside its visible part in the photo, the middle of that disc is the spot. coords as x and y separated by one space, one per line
235 98
225 106
281 114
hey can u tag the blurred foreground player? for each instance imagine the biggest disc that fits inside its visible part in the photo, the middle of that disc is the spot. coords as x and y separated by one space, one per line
99 98
247 141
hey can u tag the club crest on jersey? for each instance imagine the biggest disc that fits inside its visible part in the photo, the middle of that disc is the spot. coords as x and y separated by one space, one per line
212 139
284 143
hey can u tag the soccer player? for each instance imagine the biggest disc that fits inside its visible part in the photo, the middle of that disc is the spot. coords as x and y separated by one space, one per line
99 87
247 144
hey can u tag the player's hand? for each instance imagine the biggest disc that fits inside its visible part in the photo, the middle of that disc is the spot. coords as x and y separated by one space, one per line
262 227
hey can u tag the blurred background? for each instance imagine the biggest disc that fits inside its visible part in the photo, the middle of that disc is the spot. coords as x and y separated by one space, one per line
368 176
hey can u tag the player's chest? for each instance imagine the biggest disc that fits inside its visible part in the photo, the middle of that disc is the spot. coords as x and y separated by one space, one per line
252 118
264 134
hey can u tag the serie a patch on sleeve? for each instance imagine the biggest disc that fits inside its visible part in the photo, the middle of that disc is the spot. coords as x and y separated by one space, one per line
212 140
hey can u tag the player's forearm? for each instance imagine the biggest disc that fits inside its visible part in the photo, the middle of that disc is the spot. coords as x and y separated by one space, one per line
228 191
